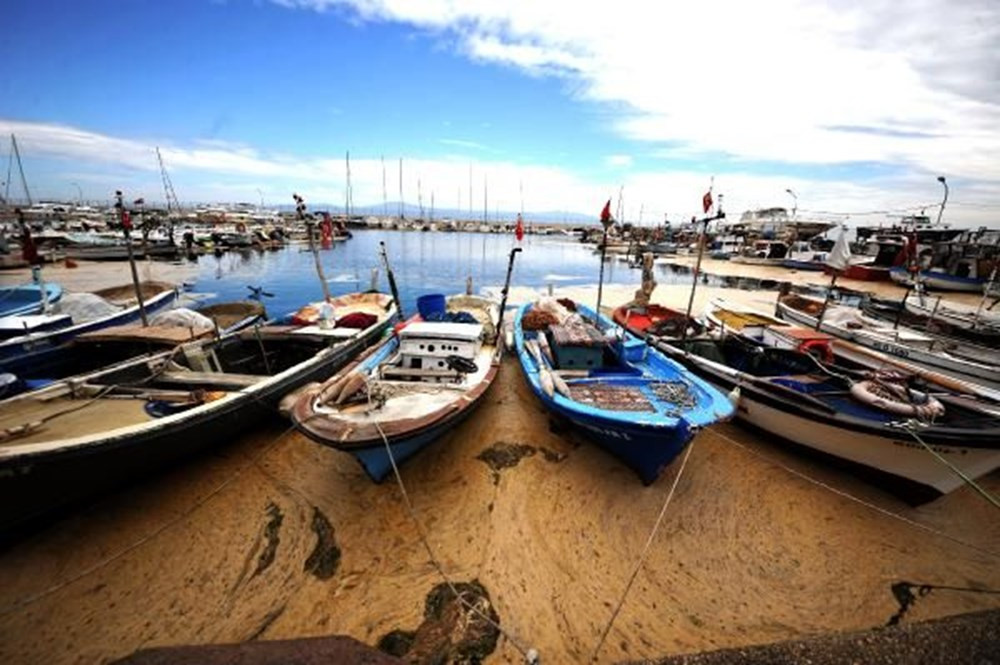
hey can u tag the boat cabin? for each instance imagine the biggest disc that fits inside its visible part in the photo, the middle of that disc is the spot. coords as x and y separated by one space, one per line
435 346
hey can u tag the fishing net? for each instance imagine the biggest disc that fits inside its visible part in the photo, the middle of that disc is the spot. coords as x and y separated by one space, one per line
537 319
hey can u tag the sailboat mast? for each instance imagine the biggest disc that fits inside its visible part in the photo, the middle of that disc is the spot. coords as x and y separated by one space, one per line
401 188
385 195
20 168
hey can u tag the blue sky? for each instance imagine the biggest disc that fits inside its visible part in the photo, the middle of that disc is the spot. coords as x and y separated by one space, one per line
836 102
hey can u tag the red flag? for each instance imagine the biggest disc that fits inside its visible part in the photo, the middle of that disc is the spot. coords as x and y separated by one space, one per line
706 201
139 202
126 220
29 251
519 229
606 213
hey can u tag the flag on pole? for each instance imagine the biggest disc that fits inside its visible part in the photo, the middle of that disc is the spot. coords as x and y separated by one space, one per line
840 256
706 201
519 229
606 214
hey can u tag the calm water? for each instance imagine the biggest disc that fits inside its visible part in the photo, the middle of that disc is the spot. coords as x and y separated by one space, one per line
432 262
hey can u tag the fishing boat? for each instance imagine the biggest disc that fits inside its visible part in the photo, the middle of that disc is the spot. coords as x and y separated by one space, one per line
75 314
852 416
962 264
406 392
876 258
630 399
963 360
75 438
724 316
27 298
762 253
655 320
939 319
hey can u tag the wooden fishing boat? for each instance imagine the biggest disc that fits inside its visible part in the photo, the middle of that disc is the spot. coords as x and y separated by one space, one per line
77 437
630 399
26 299
937 319
407 391
729 316
963 360
851 416
655 320
939 280
117 306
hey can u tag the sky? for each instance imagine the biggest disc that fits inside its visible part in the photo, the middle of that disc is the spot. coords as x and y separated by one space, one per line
856 107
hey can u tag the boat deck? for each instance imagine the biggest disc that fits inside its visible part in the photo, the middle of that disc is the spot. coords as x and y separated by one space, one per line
80 417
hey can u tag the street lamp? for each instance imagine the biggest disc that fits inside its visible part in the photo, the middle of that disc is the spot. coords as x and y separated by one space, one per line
79 193
795 204
945 200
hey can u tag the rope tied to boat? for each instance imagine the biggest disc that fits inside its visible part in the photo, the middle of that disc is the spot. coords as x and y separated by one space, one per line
531 655
912 426
642 554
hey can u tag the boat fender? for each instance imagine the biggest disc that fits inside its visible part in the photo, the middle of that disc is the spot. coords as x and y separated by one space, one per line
734 395
509 338
355 382
548 385
819 348
560 385
543 344
895 398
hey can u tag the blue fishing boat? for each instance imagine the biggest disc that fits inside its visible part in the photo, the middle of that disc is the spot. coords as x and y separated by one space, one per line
44 345
26 299
629 398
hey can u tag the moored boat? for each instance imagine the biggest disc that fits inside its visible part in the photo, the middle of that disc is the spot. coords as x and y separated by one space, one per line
409 390
27 299
630 399
655 320
963 360
74 315
854 417
77 437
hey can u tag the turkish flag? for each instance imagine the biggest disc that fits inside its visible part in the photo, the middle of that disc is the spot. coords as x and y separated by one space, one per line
706 201
519 229
606 213
126 220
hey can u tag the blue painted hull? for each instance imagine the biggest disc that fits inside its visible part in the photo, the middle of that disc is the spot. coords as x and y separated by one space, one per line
795 264
25 300
25 355
646 442
940 281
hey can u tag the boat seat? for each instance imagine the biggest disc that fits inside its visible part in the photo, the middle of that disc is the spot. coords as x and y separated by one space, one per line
211 378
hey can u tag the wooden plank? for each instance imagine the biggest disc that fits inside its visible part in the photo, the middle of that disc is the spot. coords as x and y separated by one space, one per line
166 335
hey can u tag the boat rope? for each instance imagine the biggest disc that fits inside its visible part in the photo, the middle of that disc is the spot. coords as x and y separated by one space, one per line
58 586
851 497
911 427
530 655
642 554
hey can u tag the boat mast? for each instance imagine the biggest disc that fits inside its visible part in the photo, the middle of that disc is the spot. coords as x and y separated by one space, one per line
173 205
20 168
126 222
719 214
347 190
401 205
385 196
300 213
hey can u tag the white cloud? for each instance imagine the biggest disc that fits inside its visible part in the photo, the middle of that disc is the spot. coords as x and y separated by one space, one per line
618 161
910 84
221 171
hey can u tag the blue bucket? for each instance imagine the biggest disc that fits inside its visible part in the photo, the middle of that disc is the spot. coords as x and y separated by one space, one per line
431 305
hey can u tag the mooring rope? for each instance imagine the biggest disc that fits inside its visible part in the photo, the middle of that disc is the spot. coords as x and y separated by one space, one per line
911 427
530 655
32 598
851 497
642 555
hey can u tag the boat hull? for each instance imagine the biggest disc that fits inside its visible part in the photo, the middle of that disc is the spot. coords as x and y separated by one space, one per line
863 273
37 483
24 300
939 281
796 264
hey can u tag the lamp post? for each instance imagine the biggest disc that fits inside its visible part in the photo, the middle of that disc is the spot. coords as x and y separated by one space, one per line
795 203
945 200
79 193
